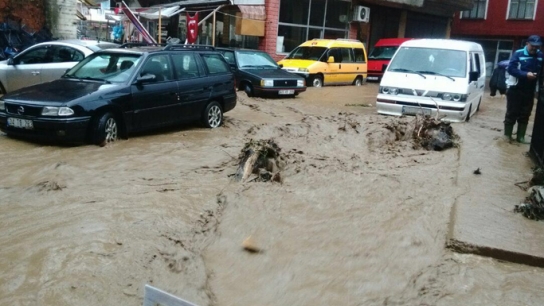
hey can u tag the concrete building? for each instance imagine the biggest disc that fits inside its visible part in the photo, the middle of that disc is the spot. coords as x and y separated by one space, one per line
500 26
276 26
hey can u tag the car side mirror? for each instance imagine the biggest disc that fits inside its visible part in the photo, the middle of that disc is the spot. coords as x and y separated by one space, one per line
473 76
11 61
330 59
146 78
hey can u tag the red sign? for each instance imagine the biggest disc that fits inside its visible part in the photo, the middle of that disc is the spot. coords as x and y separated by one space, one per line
192 28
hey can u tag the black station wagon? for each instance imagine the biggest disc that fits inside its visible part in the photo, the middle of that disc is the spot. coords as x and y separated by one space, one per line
258 74
115 92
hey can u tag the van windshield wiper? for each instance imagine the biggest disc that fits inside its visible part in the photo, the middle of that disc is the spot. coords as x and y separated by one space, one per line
408 70
436 73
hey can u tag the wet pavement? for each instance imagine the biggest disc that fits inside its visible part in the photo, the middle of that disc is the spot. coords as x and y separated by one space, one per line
483 220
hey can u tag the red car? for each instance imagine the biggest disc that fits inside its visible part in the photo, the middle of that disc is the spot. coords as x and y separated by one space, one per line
380 56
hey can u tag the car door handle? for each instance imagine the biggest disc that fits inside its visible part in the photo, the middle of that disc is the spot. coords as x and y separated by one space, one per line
35 72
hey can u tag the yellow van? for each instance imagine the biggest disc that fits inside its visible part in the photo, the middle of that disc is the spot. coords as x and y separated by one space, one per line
328 62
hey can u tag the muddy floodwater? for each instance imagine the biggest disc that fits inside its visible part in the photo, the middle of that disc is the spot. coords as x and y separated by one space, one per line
358 218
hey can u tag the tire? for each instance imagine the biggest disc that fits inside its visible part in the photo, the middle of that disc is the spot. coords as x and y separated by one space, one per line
467 118
478 107
2 90
317 81
213 115
105 130
358 81
249 90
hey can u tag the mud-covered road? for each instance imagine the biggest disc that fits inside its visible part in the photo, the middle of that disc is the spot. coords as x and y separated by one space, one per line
359 218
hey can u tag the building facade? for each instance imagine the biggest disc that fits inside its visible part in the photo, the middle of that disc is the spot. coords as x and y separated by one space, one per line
289 23
275 26
500 26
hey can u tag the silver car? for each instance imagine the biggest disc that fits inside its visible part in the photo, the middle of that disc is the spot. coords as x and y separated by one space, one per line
45 62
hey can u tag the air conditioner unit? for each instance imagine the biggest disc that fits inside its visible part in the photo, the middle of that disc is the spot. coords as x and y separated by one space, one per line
361 13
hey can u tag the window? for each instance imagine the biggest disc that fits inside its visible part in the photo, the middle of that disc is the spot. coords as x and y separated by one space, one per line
229 57
185 65
347 55
477 66
303 20
521 9
478 10
359 55
215 63
67 54
159 66
36 56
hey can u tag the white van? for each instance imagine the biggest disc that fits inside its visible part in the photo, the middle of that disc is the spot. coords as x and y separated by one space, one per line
430 76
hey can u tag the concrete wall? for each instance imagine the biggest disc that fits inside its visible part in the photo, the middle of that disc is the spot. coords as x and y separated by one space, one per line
61 15
31 12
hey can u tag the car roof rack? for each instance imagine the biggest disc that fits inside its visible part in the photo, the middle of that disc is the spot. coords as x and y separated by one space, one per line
189 47
140 44
348 39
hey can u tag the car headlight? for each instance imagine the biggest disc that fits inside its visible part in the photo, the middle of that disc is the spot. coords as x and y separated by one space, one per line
389 90
454 97
301 83
57 111
303 70
2 105
267 83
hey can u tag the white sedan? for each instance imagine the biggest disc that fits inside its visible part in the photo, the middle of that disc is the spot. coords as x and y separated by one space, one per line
45 62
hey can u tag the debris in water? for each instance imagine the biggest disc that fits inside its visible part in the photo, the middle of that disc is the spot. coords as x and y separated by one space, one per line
426 132
249 245
533 207
262 158
477 171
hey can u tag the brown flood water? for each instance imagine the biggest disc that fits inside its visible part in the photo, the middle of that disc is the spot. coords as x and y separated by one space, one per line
360 219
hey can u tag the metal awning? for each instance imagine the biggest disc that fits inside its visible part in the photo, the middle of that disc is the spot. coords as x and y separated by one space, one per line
167 12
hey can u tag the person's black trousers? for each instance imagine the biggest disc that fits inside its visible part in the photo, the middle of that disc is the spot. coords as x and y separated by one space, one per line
519 105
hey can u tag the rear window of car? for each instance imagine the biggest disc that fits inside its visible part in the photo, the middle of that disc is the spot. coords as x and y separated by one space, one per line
215 63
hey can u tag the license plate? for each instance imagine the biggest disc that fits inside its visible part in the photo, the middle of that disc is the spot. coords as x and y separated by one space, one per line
372 78
20 123
287 92
410 110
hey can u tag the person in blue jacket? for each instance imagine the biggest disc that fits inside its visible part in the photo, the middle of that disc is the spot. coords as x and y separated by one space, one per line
524 68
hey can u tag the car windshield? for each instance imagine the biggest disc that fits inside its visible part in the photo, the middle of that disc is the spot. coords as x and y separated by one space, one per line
307 53
442 62
255 59
107 67
383 53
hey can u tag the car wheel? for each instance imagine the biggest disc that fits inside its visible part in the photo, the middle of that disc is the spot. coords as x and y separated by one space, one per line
105 130
358 81
2 90
467 118
317 81
478 107
213 115
249 90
